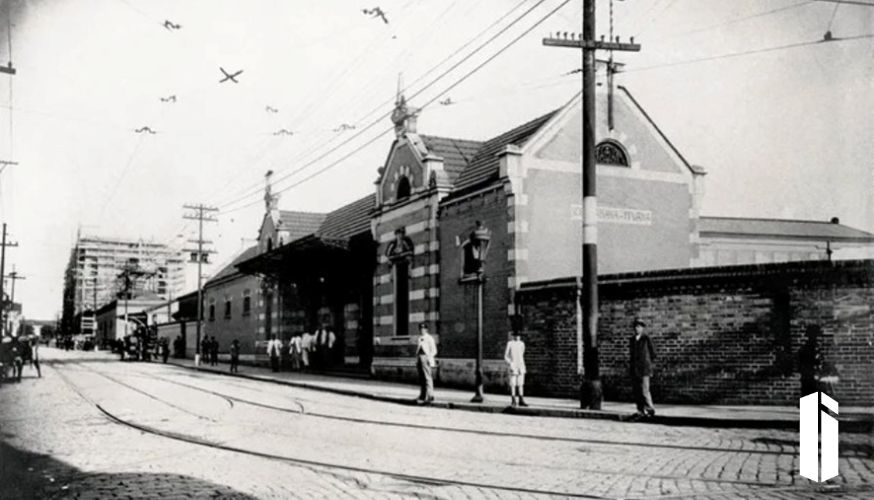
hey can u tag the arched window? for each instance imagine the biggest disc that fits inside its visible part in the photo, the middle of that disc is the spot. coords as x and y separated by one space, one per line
269 244
403 188
611 153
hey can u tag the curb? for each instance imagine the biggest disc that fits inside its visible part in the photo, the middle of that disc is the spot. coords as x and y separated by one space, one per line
852 424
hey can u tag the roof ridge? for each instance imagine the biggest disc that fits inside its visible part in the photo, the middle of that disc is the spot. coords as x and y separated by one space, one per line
774 219
432 136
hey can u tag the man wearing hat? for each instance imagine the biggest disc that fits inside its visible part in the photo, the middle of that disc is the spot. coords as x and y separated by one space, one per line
425 353
642 358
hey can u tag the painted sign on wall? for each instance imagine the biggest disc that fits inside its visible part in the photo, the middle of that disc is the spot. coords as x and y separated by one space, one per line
613 215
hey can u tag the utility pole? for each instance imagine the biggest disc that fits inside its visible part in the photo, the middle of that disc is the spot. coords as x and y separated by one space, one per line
14 276
3 245
128 275
201 214
591 394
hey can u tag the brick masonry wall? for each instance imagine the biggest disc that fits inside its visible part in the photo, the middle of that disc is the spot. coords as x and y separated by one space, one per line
458 301
722 335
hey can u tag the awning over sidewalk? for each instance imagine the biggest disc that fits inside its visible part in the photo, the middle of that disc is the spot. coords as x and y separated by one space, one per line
299 257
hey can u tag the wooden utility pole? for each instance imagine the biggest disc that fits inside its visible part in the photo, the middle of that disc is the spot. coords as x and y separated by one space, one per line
201 215
14 276
3 245
591 394
129 274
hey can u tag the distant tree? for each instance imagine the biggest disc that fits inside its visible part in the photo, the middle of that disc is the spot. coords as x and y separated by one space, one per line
48 332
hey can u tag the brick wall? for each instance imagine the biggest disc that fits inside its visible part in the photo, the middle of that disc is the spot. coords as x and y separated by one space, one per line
722 334
458 306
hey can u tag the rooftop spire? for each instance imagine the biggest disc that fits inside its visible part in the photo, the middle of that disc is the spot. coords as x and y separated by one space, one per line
403 116
270 199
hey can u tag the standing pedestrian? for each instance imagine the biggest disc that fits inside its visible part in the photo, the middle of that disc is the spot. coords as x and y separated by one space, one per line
425 354
642 356
325 339
213 351
165 349
235 356
17 357
294 351
514 355
34 354
306 348
274 347
204 349
5 356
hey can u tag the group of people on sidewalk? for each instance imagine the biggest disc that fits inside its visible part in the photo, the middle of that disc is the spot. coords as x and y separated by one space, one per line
15 353
426 354
209 350
641 360
304 350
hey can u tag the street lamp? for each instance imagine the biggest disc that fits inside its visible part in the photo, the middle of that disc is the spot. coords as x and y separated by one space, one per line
475 251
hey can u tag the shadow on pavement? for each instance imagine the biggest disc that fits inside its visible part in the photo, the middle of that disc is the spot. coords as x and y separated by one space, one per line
26 475
66 361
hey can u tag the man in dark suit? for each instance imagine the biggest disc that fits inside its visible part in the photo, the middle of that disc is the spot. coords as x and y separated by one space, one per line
642 356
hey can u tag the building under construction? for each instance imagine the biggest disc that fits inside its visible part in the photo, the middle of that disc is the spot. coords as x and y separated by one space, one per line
102 269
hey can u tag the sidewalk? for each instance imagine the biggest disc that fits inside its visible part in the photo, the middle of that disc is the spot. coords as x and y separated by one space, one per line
853 419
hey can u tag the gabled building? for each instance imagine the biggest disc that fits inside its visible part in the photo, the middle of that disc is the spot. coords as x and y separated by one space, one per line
376 268
524 186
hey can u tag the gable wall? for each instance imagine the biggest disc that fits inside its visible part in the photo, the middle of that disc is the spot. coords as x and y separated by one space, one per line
647 215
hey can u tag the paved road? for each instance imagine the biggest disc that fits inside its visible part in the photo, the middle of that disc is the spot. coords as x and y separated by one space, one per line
97 428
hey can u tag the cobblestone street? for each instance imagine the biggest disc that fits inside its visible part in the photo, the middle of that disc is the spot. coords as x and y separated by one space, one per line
93 427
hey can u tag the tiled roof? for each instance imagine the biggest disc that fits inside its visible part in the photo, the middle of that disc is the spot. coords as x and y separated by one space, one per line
485 165
348 220
456 153
300 224
231 268
781 228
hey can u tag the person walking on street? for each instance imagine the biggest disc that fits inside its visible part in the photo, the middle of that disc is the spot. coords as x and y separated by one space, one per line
425 354
274 348
642 357
235 356
514 355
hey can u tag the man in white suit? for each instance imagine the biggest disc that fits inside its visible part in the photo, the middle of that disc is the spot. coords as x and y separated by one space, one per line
425 362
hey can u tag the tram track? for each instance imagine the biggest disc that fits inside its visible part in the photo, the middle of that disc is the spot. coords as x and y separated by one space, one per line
539 437
754 486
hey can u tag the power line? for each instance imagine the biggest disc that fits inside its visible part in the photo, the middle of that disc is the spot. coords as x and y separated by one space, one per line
430 101
736 20
249 190
418 92
749 52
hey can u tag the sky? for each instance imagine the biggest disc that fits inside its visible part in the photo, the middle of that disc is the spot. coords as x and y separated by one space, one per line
782 133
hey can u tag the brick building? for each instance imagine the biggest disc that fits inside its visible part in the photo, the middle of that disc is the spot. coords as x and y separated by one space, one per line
377 267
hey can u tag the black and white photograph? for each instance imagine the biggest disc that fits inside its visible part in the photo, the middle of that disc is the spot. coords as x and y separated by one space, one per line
437 249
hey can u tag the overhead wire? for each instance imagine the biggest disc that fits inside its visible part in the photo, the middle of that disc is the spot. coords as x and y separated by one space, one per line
427 103
730 22
749 52
421 77
413 95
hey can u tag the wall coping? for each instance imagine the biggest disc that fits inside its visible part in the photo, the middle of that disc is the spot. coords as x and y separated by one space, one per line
673 277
